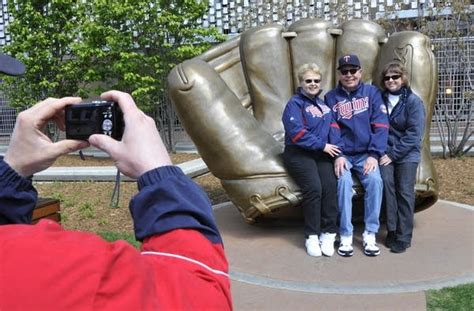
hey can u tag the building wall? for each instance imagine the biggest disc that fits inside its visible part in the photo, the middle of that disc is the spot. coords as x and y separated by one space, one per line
234 16
4 20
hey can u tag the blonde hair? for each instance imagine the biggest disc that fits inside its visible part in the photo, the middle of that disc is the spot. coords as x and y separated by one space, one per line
305 68
397 68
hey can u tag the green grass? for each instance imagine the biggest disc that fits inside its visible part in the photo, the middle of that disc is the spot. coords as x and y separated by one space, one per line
86 210
457 298
114 236
65 201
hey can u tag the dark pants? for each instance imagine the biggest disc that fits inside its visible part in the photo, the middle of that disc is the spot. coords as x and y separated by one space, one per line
399 198
313 172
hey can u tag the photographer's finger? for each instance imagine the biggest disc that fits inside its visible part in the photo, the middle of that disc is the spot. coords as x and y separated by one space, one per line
59 119
105 143
51 106
125 101
66 146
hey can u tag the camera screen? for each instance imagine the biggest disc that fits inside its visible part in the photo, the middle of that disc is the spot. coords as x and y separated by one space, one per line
99 117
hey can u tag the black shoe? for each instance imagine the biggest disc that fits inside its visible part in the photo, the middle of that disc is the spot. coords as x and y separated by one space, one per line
399 247
390 239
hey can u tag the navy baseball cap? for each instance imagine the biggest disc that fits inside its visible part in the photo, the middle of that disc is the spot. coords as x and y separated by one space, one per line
349 60
11 66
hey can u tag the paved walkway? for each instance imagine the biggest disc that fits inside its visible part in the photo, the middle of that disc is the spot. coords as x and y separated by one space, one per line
191 168
271 271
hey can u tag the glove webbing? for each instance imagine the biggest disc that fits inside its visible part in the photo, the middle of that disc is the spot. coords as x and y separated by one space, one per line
262 207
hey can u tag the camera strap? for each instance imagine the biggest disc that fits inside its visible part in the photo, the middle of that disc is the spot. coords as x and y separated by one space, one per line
114 200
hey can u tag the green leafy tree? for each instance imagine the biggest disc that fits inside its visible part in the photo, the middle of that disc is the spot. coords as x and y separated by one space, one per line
135 43
42 33
83 47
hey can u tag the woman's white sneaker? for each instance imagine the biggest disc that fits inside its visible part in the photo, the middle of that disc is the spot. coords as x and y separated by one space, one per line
312 246
327 243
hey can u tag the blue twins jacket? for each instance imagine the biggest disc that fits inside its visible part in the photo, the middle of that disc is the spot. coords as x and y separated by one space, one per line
362 118
407 122
309 123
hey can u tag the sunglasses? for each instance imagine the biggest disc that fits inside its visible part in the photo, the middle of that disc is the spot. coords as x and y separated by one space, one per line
308 81
395 77
353 71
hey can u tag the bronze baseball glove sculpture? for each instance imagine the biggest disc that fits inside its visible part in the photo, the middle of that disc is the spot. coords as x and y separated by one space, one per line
230 101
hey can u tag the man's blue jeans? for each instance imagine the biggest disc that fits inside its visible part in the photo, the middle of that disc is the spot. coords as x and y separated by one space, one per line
373 187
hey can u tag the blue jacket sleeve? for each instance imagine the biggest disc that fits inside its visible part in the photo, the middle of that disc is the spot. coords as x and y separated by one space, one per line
297 131
413 133
169 200
335 134
379 125
17 196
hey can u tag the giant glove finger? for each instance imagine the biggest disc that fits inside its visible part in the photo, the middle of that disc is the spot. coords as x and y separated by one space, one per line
364 39
233 144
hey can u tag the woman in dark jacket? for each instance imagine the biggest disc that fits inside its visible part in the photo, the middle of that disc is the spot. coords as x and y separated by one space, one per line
398 166
308 158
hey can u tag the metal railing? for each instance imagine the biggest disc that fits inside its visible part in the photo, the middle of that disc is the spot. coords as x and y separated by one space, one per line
453 117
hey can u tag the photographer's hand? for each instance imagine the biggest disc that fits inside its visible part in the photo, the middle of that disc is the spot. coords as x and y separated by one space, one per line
30 150
141 148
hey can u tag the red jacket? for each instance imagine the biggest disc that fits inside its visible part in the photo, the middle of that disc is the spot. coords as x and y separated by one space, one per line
181 265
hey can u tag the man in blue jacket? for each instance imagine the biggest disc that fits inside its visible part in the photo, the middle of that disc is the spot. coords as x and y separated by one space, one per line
359 111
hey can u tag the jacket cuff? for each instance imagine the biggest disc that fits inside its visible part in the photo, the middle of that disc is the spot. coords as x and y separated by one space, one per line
374 155
391 156
17 196
169 200
158 174
9 176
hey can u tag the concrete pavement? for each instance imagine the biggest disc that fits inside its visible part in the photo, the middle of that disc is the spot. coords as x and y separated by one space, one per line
270 269
191 168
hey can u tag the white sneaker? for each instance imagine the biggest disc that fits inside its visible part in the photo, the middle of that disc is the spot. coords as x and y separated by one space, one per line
345 247
327 243
370 246
312 246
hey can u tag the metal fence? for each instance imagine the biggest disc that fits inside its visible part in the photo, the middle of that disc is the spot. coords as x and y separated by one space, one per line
7 120
454 110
